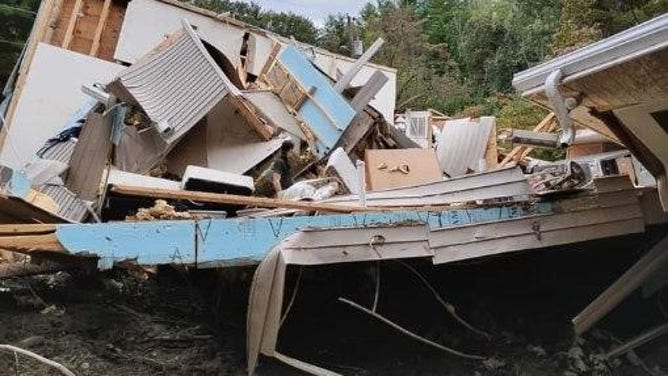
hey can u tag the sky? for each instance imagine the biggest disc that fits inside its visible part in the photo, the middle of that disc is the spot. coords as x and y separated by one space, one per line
316 10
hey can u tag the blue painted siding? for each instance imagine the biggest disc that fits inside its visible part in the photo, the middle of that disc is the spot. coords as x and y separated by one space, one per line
235 241
328 114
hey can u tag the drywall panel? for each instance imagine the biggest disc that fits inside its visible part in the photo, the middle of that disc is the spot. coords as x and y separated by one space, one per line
51 95
147 22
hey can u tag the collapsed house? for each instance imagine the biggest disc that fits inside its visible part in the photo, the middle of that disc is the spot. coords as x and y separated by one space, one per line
137 132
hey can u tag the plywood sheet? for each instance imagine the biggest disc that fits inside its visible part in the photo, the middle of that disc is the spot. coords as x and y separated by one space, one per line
422 168
90 156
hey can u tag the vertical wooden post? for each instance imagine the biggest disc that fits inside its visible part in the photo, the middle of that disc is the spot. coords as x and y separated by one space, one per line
100 27
69 32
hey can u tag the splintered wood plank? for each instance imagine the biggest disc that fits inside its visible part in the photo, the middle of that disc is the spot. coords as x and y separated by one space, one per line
233 199
22 229
31 243
519 151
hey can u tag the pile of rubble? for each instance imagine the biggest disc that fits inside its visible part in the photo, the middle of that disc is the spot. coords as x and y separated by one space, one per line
170 159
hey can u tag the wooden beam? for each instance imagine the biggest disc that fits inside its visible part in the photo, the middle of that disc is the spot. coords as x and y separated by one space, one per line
347 78
218 198
24 229
523 151
69 32
100 27
368 91
245 110
31 243
621 288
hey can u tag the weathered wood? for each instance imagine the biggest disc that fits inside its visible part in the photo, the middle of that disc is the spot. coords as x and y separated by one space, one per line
233 199
24 229
368 91
262 129
638 341
100 27
523 151
90 156
74 16
347 78
625 285
30 243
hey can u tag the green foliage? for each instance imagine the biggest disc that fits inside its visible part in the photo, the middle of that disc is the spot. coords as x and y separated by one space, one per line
585 21
16 18
286 24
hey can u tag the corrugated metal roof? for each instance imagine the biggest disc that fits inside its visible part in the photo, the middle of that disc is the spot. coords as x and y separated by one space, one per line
462 144
177 85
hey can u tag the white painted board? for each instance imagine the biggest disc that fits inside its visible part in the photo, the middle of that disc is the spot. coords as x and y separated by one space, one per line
50 96
148 22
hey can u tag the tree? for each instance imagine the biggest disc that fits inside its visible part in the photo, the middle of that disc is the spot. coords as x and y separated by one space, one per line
16 18
426 73
286 24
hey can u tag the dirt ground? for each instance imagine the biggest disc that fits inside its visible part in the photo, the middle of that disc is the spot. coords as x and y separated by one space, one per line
193 322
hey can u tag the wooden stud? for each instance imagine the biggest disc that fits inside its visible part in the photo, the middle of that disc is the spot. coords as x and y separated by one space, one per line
519 150
229 199
31 243
100 27
69 33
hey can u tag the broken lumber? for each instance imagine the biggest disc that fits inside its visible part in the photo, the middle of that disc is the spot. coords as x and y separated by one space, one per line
547 124
26 229
622 287
228 199
22 269
638 341
29 243
347 78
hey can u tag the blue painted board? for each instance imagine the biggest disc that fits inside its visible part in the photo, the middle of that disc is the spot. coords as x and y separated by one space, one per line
327 113
237 241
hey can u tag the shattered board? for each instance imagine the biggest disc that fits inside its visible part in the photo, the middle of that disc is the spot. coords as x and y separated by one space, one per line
325 111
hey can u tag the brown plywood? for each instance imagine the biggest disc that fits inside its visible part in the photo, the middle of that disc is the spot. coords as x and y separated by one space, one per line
383 168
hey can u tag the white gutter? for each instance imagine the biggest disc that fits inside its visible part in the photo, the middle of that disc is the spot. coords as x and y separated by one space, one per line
559 107
627 45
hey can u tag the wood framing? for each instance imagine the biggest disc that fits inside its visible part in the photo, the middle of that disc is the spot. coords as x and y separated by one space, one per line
100 26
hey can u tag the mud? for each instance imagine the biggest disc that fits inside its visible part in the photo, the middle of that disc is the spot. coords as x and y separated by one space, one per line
193 322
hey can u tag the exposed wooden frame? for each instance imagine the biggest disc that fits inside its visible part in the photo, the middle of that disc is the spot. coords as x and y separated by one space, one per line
100 27
520 152
69 32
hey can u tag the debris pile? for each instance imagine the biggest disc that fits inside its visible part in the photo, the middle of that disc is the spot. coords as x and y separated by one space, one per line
220 145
